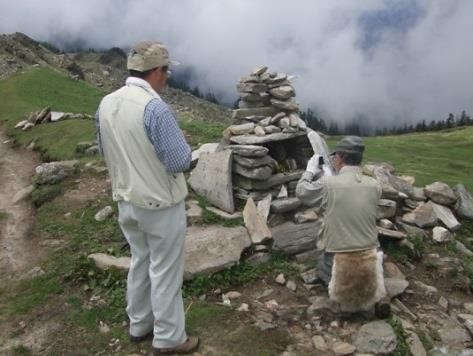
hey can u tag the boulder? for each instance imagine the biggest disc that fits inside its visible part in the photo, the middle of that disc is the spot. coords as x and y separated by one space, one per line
213 248
445 215
422 216
464 205
295 238
377 337
440 193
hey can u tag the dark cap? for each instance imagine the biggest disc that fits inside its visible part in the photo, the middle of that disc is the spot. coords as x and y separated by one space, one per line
350 144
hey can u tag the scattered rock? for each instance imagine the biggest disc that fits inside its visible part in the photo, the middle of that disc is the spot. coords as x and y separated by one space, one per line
291 285
103 214
263 325
425 288
443 302
468 307
243 307
319 343
280 279
318 303
343 348
233 295
33 273
104 261
415 345
441 234
309 276
386 224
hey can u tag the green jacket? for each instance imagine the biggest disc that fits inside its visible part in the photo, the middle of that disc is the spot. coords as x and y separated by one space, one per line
350 201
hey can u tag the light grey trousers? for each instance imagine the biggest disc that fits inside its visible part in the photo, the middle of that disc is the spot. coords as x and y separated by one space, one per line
154 299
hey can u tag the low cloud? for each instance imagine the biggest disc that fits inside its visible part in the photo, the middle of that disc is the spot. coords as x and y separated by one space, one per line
389 61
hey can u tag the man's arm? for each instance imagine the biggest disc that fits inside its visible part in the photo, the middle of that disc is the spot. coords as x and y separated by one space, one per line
97 131
312 192
166 136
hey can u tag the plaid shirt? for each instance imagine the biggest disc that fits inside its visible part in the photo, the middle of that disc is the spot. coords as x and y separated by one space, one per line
164 134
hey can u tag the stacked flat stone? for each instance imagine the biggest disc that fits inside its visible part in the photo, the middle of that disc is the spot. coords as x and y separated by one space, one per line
268 140
267 105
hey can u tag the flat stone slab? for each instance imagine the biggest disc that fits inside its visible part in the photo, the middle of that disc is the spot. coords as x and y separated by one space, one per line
224 214
377 337
248 150
284 205
213 248
386 209
212 178
258 140
275 179
296 238
264 111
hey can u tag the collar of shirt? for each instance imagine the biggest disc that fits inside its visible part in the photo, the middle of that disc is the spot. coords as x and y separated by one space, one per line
348 169
141 83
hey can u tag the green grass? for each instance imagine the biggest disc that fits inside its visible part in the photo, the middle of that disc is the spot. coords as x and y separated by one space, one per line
429 156
199 132
402 347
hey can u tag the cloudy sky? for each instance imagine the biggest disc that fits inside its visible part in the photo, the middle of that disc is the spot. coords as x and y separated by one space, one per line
390 60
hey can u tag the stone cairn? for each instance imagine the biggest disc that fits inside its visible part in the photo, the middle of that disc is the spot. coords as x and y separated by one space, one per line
46 115
268 139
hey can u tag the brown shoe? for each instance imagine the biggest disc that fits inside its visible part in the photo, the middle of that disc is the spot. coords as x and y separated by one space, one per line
189 346
137 339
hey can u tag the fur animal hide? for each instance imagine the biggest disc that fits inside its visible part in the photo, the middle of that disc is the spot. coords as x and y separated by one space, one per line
357 282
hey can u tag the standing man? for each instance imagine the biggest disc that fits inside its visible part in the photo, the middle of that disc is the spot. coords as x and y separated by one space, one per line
350 263
146 153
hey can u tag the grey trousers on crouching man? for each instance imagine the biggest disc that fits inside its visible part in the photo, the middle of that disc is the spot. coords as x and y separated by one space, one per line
324 267
154 299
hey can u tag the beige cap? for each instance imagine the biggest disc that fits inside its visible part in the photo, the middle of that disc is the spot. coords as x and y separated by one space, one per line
146 55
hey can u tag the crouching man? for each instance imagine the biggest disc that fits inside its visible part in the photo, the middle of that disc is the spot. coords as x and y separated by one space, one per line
350 264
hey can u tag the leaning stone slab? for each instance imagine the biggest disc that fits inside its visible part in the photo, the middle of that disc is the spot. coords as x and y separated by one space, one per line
275 179
257 173
377 337
256 224
206 147
248 150
398 235
464 205
445 215
440 193
212 178
258 140
104 261
295 238
264 206
213 248
279 206
264 111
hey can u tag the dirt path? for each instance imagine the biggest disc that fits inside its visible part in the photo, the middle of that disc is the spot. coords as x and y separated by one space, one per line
18 249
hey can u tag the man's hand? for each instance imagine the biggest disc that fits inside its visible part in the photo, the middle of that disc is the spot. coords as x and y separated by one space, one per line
313 165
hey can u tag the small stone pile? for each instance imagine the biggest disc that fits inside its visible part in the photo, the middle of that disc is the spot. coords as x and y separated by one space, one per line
266 105
268 139
46 115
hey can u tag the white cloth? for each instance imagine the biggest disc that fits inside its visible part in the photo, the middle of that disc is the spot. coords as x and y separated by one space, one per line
154 298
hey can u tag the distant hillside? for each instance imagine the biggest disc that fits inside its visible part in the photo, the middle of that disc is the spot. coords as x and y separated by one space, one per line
103 69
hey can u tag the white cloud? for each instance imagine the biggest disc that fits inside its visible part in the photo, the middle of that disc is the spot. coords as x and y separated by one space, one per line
419 70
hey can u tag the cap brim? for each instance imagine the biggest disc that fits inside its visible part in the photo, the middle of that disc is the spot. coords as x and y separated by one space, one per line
174 63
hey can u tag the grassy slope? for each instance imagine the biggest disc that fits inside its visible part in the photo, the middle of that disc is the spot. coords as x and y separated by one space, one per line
437 156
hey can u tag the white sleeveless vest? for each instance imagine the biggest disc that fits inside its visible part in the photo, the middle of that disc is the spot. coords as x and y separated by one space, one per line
137 175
